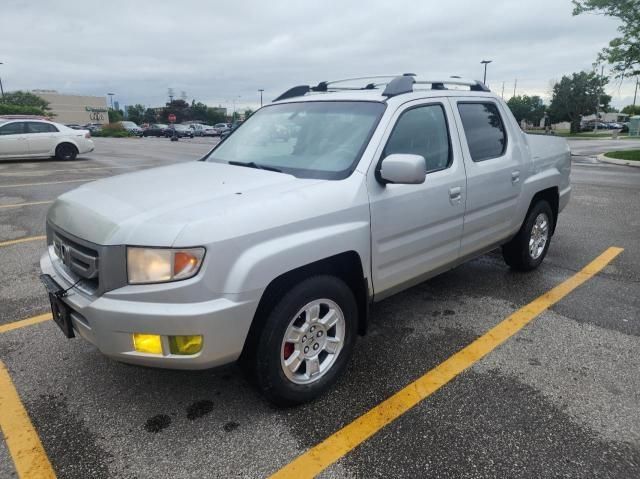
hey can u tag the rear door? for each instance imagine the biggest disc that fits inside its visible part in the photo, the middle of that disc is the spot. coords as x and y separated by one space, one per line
42 137
416 229
13 140
494 168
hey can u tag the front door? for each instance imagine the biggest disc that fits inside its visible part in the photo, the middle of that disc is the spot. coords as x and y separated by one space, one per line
416 229
13 140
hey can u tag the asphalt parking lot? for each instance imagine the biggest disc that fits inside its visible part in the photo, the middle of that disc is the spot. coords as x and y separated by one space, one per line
560 398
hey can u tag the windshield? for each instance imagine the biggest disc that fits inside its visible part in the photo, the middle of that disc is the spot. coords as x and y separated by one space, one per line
129 124
322 139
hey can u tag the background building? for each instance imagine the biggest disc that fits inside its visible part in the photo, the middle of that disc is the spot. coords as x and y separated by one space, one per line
75 108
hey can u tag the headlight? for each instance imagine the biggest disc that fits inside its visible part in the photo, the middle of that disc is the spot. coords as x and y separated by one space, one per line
156 265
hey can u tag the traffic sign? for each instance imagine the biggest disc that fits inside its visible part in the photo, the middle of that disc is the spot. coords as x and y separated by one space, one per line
172 117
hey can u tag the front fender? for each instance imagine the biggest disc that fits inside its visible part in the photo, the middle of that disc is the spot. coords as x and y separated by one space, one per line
258 265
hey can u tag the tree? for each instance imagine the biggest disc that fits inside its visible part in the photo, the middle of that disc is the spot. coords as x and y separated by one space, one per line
135 113
198 111
580 94
528 108
115 115
179 108
25 98
623 52
150 116
247 113
216 115
631 110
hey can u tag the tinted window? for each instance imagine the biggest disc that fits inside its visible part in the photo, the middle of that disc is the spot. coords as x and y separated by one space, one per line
16 128
36 127
484 130
422 131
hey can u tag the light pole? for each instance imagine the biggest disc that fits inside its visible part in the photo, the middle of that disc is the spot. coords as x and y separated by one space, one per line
635 95
261 90
233 117
485 62
1 89
111 98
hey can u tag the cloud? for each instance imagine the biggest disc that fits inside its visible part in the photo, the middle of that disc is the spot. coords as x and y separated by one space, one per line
218 51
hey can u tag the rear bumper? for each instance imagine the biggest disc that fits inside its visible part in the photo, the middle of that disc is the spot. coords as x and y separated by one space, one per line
86 146
109 321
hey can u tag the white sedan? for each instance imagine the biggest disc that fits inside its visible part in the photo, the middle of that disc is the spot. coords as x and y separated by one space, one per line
29 138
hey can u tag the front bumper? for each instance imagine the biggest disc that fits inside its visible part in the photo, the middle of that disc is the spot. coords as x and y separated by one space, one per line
109 321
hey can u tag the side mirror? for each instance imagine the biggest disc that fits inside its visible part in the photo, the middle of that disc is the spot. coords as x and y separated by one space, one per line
403 169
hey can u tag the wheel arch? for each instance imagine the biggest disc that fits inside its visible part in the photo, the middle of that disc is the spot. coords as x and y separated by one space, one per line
347 266
551 196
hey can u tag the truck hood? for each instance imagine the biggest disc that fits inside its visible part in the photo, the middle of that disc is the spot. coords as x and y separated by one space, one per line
152 207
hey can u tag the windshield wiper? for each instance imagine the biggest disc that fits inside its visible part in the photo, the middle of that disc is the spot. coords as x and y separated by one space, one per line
253 164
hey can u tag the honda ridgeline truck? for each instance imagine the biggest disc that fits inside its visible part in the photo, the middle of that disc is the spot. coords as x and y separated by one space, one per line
272 248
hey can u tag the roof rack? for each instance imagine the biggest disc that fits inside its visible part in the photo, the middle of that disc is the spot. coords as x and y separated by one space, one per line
394 85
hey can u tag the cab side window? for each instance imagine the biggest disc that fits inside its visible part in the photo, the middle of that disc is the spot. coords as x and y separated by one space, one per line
37 127
16 128
484 129
422 131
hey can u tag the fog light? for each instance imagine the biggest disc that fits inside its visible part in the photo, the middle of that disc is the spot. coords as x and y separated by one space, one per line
185 344
147 343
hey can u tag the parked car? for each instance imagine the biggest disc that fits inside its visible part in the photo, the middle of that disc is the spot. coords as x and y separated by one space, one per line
42 139
222 128
209 131
93 127
227 132
73 126
132 128
156 129
181 131
272 252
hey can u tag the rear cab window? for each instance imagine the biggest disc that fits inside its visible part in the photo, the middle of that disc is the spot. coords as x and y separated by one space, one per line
484 129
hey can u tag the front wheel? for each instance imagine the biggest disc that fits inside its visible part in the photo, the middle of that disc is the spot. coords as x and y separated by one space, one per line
306 341
66 152
528 248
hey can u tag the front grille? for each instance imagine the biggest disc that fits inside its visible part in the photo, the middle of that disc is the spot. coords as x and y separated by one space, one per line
79 260
96 268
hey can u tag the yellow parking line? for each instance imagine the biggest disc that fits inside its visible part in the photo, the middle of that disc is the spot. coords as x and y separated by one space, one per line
49 183
321 456
5 328
23 442
21 240
33 203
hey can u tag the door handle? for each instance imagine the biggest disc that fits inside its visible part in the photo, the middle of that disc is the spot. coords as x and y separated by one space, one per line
515 176
455 194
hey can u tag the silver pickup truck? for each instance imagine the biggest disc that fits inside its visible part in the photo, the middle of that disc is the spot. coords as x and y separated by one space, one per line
271 249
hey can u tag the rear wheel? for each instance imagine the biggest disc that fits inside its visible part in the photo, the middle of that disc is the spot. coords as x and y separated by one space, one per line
66 152
528 248
306 341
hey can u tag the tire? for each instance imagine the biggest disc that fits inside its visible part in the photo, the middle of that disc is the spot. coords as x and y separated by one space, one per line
66 152
528 248
327 299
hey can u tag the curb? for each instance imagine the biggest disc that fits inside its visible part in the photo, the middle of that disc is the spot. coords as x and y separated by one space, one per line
615 161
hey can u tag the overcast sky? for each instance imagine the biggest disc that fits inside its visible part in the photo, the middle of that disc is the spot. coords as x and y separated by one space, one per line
217 51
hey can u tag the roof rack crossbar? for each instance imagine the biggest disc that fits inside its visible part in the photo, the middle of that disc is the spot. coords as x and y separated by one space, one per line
474 85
